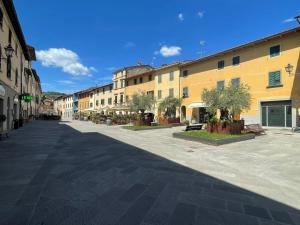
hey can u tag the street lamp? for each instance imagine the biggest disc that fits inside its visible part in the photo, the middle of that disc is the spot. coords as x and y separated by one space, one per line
298 19
9 51
289 68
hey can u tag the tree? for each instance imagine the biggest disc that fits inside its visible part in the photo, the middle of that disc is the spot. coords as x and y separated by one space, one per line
169 105
140 102
232 99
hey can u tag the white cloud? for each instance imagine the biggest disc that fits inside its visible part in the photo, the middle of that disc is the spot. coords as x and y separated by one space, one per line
129 45
180 17
63 58
166 51
66 82
202 42
200 14
289 20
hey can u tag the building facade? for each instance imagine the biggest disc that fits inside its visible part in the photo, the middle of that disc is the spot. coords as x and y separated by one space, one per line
16 75
119 85
67 112
103 99
269 66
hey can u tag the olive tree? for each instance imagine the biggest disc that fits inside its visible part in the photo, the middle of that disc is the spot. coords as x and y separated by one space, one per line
169 106
140 102
233 99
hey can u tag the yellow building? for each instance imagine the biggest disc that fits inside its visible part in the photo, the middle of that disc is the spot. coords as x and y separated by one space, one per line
269 66
119 85
84 100
103 98
167 83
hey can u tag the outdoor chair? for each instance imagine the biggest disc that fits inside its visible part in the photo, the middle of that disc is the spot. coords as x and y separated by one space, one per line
255 128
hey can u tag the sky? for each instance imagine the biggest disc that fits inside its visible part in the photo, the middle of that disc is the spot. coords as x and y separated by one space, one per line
80 43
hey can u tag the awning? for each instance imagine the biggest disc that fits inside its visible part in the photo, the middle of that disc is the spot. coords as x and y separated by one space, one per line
197 105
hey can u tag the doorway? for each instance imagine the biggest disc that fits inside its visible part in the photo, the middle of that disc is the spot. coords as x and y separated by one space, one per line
276 114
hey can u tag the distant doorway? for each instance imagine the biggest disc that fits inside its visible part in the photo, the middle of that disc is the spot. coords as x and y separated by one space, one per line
183 113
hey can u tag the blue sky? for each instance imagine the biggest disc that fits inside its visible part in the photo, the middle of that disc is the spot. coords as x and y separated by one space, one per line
79 45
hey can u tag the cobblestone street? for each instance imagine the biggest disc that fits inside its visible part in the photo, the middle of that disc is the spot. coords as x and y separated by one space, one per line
67 174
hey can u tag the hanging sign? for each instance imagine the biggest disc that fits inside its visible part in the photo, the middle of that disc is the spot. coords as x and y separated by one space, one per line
26 97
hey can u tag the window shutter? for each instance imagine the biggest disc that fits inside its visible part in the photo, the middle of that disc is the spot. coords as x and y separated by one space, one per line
274 78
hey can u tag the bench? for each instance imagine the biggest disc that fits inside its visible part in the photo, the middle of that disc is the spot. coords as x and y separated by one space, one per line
194 127
255 128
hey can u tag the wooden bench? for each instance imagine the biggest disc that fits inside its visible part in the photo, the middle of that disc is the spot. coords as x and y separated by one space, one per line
194 127
255 128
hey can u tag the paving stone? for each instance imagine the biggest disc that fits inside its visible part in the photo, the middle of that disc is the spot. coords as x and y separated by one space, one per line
183 214
133 193
235 207
282 217
138 210
257 211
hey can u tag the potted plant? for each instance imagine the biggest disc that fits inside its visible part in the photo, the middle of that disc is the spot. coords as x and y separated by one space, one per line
140 103
230 101
169 106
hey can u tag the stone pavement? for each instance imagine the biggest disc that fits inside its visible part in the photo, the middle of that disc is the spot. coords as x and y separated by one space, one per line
53 174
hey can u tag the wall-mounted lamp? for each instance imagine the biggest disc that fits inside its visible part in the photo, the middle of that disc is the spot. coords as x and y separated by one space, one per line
289 68
9 51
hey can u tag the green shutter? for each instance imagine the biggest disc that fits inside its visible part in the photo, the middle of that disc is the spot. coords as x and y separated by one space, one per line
274 78
235 82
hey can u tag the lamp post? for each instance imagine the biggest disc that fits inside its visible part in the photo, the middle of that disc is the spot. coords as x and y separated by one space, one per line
289 68
298 19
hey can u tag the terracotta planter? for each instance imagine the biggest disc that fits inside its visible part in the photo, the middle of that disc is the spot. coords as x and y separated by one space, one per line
164 121
225 128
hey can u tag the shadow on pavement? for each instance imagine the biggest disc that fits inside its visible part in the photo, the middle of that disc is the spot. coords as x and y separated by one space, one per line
52 174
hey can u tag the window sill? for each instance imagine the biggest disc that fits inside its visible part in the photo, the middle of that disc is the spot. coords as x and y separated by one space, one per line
275 86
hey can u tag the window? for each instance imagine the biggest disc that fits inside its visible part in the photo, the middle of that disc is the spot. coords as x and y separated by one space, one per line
236 61
141 80
185 73
159 78
275 51
171 76
127 98
116 99
16 50
121 99
1 18
91 95
9 36
135 81
8 67
17 78
103 90
221 64
220 85
150 77
0 57
97 102
109 101
110 89
274 79
171 92
102 101
127 83
235 82
159 94
91 105
151 93
116 85
185 92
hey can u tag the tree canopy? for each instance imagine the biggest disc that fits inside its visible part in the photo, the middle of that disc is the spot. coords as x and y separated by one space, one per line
232 98
169 105
140 102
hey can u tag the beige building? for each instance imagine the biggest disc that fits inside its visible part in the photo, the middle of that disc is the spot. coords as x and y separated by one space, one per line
17 80
67 107
103 99
119 85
